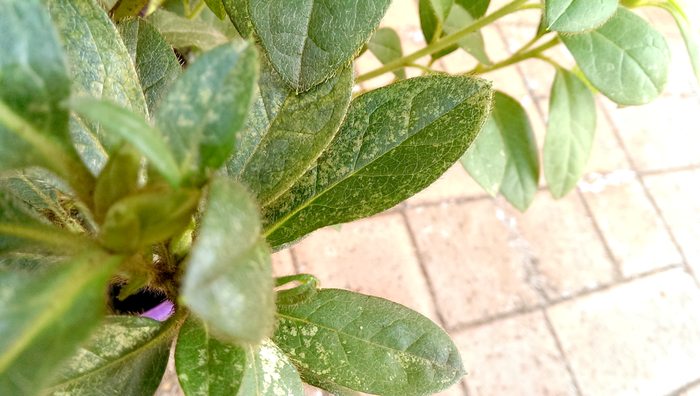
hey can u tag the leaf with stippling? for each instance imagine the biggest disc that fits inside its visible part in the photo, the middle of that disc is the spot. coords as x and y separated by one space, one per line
308 41
209 367
394 142
522 171
101 68
570 130
367 344
33 82
286 132
207 106
228 278
155 61
386 46
625 59
46 316
183 33
575 16
126 355
486 158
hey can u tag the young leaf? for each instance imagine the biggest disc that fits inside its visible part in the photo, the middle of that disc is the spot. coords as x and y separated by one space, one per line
207 106
287 132
228 279
101 68
308 41
386 46
575 16
486 158
156 63
183 33
522 171
132 128
237 11
33 82
63 303
366 344
217 7
625 59
118 179
394 142
126 355
433 14
570 131
207 366
475 8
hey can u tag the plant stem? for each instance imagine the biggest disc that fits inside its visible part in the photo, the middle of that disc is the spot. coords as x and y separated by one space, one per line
447 41
517 57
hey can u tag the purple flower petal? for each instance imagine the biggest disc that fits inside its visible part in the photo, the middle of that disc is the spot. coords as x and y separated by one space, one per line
161 311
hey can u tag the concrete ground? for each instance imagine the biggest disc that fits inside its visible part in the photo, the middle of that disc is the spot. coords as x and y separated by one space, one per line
594 294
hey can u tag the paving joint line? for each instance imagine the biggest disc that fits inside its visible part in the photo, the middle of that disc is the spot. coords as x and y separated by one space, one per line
564 357
617 269
684 388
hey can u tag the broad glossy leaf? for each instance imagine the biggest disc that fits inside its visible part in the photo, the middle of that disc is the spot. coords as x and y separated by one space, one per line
486 158
575 16
394 142
207 366
217 7
131 127
63 303
386 46
570 130
100 67
308 41
207 106
287 132
237 11
228 278
155 61
183 33
33 83
625 59
126 355
476 8
366 344
522 171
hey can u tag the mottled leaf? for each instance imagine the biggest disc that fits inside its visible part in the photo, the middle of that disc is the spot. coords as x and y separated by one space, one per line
394 142
207 366
101 68
625 59
131 127
46 316
126 355
183 33
286 133
308 41
522 172
156 63
386 46
570 130
207 106
367 344
486 158
228 278
574 16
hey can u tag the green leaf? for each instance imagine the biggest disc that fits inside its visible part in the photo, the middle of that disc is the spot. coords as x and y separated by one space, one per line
575 16
217 7
570 130
237 11
207 106
433 14
690 36
394 142
131 127
475 8
286 132
366 344
486 158
126 355
127 8
156 63
308 41
183 33
522 172
458 19
33 83
625 59
101 68
46 316
386 46
118 179
228 279
207 366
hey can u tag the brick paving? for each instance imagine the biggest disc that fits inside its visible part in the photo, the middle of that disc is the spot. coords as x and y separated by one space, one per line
596 294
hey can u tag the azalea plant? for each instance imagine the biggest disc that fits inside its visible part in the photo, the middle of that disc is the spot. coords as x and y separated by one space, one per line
153 154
